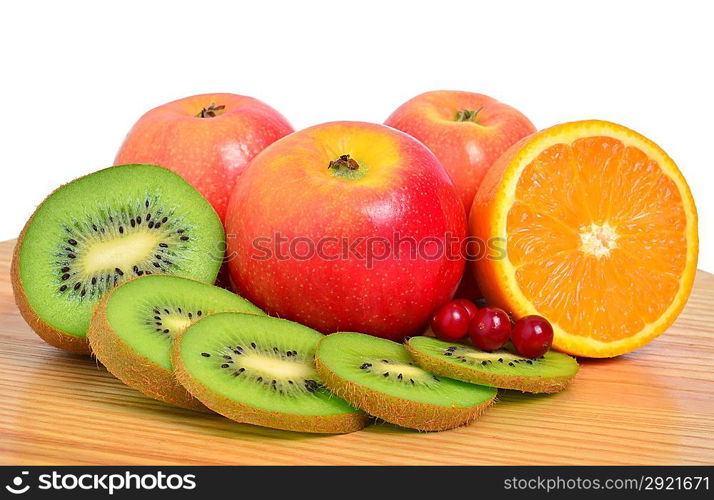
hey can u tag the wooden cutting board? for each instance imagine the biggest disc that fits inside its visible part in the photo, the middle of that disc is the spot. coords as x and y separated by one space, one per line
655 406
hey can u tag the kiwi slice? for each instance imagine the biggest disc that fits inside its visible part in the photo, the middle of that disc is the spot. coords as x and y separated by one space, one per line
378 376
503 368
98 231
134 325
260 370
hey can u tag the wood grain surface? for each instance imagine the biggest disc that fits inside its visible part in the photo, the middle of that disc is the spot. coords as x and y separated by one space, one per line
654 406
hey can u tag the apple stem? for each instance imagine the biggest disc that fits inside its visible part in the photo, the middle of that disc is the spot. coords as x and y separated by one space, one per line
346 167
211 111
344 161
468 115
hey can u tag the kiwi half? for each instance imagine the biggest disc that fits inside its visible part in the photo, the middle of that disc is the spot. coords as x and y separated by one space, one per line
98 231
378 376
133 327
503 369
260 370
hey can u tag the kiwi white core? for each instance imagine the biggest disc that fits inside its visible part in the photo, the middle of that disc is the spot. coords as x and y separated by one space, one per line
119 252
177 324
491 356
278 368
395 367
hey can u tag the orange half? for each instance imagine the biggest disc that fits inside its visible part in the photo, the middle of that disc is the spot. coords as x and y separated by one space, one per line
600 236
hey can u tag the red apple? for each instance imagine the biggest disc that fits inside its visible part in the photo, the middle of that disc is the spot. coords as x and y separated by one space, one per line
347 226
466 132
207 139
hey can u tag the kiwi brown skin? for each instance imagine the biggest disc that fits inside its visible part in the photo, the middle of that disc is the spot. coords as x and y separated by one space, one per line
333 424
135 370
513 382
46 332
402 412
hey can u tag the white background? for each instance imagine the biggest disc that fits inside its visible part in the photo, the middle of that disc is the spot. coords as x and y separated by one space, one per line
76 75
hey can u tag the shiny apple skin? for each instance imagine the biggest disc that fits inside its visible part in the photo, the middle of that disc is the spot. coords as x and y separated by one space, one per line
404 193
210 152
466 148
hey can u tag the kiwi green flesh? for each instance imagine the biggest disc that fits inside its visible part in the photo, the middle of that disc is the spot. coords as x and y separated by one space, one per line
503 368
102 229
147 313
385 367
259 362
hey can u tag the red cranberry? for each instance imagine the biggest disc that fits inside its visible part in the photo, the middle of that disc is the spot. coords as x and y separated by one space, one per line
450 322
490 329
468 305
532 336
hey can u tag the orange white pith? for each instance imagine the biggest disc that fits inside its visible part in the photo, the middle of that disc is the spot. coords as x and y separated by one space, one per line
600 230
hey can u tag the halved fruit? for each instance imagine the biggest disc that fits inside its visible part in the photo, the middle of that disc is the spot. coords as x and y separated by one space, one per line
100 230
260 370
378 376
133 328
600 236
504 369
